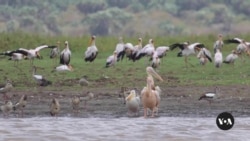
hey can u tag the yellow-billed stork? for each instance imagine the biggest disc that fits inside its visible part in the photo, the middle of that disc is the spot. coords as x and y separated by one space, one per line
92 51
218 58
63 68
120 49
230 58
111 60
65 54
204 56
16 57
219 43
147 50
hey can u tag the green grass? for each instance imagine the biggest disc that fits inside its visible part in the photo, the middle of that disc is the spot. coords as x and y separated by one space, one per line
125 73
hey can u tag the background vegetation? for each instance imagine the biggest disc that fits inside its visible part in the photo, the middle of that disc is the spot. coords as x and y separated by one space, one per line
125 17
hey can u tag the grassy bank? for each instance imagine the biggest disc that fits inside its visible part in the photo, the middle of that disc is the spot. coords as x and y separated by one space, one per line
125 73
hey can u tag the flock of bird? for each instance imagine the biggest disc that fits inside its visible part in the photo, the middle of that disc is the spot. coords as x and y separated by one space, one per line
150 94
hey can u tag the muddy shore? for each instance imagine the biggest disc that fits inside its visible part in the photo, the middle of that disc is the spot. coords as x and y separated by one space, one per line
175 102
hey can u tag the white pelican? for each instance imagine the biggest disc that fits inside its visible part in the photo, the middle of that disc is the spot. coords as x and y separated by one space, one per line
111 60
6 108
16 57
92 51
219 43
186 49
63 68
75 101
204 56
147 50
149 96
158 98
218 58
21 104
41 80
209 96
33 53
230 59
133 103
65 54
120 49
7 88
54 107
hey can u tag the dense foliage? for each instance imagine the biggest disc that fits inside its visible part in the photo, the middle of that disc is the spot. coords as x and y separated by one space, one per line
130 17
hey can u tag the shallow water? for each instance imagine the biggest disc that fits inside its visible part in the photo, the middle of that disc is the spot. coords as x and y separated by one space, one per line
95 129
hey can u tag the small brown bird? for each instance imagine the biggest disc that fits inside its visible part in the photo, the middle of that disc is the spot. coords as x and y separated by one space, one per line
75 104
87 98
21 104
54 107
4 90
7 108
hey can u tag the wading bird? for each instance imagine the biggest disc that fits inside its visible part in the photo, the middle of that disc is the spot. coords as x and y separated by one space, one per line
219 43
186 49
41 80
87 98
54 53
120 50
21 104
16 57
210 96
204 56
111 60
230 59
7 88
218 58
7 108
147 50
55 107
242 47
92 51
133 103
65 54
149 96
33 53
75 101
63 68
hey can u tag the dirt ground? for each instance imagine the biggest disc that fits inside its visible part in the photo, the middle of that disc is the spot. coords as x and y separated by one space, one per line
180 101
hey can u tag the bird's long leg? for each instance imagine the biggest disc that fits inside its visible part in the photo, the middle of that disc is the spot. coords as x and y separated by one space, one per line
145 112
185 59
153 112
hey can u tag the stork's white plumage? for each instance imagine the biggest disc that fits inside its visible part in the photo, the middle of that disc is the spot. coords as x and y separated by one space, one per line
147 50
242 46
161 51
230 58
92 51
41 80
111 60
186 49
218 58
219 43
120 49
204 56
63 68
55 51
65 54
16 57
133 103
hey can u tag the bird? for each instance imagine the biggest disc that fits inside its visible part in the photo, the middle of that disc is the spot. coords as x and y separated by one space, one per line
148 93
41 80
210 96
129 49
16 57
230 58
155 62
65 55
33 53
6 108
219 43
87 98
187 49
54 107
158 98
133 103
120 49
54 53
75 101
21 104
218 58
242 45
204 56
83 81
92 51
7 88
147 50
111 60
63 68
162 51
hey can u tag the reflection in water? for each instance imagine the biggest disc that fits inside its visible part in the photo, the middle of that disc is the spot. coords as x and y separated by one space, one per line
79 129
